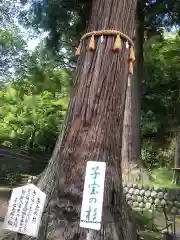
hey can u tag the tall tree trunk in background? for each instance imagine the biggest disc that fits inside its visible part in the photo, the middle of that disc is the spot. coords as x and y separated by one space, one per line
136 84
126 152
132 167
93 132
176 173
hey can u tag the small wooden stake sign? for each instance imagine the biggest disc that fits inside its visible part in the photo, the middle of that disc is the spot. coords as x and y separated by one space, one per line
91 211
25 210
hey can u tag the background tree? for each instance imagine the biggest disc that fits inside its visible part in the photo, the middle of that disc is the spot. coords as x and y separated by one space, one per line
150 18
131 143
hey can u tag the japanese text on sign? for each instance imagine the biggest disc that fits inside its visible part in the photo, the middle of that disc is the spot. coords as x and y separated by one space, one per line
25 210
91 211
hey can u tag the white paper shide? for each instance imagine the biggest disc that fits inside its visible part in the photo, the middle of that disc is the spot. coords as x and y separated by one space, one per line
91 211
25 210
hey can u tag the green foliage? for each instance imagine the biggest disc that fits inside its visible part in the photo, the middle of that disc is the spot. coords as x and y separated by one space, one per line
160 103
148 156
163 82
9 9
150 125
31 120
162 176
154 156
64 20
42 70
10 176
12 48
33 105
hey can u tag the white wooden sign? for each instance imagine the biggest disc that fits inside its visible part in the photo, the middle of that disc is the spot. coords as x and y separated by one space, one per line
91 211
25 210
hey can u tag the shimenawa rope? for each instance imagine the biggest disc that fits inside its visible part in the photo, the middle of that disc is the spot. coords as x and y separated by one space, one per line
117 45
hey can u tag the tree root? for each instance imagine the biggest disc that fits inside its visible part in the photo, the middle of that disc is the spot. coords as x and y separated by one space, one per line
61 219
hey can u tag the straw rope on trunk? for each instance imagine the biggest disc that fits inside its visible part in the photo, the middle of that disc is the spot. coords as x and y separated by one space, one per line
117 45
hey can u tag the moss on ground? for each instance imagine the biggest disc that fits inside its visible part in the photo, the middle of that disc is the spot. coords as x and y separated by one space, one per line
161 178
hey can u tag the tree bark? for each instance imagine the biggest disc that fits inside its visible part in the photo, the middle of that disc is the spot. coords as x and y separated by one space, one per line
136 83
132 168
93 131
126 151
176 173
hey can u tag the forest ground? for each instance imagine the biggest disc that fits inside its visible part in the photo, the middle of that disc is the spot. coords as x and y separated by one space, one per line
4 196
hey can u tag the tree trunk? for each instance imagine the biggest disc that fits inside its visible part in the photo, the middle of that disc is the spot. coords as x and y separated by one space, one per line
176 172
132 168
136 90
137 80
126 151
93 131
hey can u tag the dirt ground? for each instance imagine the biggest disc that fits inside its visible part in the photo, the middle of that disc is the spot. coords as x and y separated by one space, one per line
4 195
